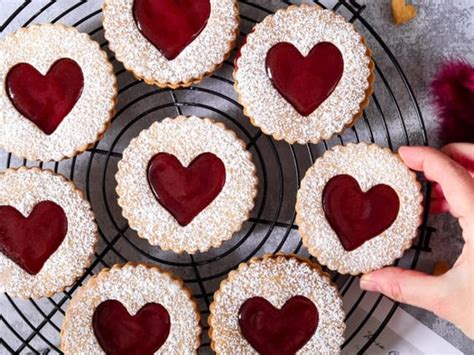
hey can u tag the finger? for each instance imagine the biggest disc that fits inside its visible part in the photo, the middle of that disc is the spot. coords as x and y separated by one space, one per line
438 206
438 202
405 286
436 191
463 153
455 181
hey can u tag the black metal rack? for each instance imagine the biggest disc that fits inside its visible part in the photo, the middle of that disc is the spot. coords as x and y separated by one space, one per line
393 118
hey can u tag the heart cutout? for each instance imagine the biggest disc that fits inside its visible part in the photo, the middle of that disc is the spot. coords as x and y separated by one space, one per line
120 333
171 25
186 191
30 241
305 82
278 332
45 99
402 12
358 216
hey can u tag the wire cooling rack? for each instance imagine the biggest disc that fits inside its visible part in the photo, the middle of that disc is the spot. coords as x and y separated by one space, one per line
393 118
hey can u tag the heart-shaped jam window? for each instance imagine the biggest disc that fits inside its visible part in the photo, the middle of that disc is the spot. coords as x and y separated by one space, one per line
30 241
186 191
357 216
171 25
45 99
273 331
305 82
120 333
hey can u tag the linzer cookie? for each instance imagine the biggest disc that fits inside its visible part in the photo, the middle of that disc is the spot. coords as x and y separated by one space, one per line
131 309
47 233
57 92
277 305
358 208
312 70
171 43
186 184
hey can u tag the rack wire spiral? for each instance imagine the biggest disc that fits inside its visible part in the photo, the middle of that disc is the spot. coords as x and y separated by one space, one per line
393 118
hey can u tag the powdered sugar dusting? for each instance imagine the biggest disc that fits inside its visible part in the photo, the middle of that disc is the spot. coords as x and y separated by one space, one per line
186 138
134 286
304 26
207 51
369 165
276 279
23 189
41 46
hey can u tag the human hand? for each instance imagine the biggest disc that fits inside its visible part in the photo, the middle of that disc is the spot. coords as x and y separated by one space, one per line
451 295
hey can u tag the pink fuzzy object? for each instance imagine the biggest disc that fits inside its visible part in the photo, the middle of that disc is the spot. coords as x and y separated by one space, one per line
453 92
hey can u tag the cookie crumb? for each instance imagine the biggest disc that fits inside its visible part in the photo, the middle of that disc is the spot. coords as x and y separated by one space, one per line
440 268
402 12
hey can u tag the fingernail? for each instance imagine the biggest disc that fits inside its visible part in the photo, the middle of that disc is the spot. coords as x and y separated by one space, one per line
401 149
367 284
404 152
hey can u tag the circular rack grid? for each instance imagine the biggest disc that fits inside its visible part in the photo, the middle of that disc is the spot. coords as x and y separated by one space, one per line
281 166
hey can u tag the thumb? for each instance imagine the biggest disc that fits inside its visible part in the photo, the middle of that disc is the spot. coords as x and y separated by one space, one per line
405 286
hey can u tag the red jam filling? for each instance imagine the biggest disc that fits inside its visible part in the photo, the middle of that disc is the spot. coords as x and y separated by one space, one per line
45 99
171 25
119 333
273 331
305 82
239 51
30 241
358 216
186 191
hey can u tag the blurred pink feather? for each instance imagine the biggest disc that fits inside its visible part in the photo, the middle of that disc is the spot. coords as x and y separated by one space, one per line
453 93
